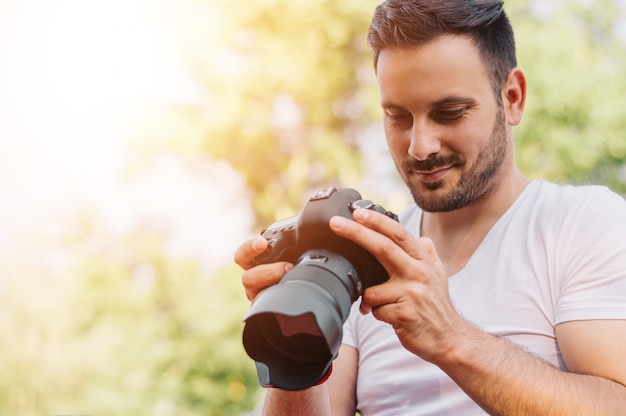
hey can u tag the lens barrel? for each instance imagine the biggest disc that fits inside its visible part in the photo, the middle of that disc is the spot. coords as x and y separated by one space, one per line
293 331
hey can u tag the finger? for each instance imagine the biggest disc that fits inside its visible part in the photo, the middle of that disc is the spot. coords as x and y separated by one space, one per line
428 246
259 278
382 294
377 243
431 256
246 252
390 228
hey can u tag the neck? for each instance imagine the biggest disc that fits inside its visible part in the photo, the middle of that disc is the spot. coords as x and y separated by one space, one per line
457 234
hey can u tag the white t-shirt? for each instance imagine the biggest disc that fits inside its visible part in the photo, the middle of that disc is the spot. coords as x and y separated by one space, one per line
558 254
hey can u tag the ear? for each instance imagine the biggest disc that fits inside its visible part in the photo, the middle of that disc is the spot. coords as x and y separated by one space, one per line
514 96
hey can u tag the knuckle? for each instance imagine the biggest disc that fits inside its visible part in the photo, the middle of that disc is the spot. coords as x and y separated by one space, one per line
371 295
386 247
404 316
247 280
238 257
415 291
426 243
401 235
244 255
260 277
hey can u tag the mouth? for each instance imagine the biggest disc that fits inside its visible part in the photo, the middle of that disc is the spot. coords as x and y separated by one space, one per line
433 175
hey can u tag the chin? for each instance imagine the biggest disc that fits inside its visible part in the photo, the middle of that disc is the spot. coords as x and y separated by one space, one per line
435 197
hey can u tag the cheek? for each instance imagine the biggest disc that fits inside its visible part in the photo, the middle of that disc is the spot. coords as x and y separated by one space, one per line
397 144
469 139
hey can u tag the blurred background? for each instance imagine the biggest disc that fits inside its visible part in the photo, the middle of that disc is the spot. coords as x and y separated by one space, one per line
142 140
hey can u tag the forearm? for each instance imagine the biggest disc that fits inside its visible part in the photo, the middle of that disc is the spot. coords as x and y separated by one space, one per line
505 380
314 401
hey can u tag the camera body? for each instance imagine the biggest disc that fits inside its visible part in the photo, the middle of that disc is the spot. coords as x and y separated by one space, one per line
294 328
289 238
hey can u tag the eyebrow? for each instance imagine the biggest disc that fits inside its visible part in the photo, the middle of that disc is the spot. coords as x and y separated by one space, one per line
453 99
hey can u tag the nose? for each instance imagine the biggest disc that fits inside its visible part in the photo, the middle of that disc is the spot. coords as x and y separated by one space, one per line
424 141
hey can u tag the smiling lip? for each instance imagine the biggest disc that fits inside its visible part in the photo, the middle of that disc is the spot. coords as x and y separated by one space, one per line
433 176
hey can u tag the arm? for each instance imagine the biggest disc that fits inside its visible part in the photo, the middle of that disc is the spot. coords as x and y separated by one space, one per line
312 401
499 376
337 396
505 380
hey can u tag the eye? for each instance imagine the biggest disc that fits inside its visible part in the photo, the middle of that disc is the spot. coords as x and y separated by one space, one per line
448 115
398 117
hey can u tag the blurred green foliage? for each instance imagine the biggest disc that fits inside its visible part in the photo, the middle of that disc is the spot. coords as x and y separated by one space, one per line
575 121
290 120
127 329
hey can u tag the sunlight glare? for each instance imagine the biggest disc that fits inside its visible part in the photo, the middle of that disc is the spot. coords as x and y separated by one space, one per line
76 78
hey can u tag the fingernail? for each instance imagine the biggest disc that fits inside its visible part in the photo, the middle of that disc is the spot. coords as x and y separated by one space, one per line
360 214
338 222
288 267
256 244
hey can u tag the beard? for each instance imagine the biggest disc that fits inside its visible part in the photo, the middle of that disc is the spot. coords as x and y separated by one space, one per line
474 185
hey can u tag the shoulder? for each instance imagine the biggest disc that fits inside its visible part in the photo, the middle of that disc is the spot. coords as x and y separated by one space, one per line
567 203
584 227
551 193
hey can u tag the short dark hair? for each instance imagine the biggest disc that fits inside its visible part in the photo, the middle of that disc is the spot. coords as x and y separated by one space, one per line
407 24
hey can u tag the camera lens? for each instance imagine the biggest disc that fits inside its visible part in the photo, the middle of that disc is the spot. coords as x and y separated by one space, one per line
295 328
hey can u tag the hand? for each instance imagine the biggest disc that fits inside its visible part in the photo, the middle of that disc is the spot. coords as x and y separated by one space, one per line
257 278
415 299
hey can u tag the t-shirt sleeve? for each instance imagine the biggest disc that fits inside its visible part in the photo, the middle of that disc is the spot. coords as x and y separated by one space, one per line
593 255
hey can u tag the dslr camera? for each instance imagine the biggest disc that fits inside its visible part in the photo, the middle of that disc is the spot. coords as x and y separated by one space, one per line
294 328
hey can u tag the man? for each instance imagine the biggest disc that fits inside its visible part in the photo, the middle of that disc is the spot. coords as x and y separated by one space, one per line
506 296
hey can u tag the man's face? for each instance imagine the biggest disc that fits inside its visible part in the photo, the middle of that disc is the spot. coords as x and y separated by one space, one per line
446 132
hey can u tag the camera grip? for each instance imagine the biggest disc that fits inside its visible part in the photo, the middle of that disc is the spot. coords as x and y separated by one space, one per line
281 239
